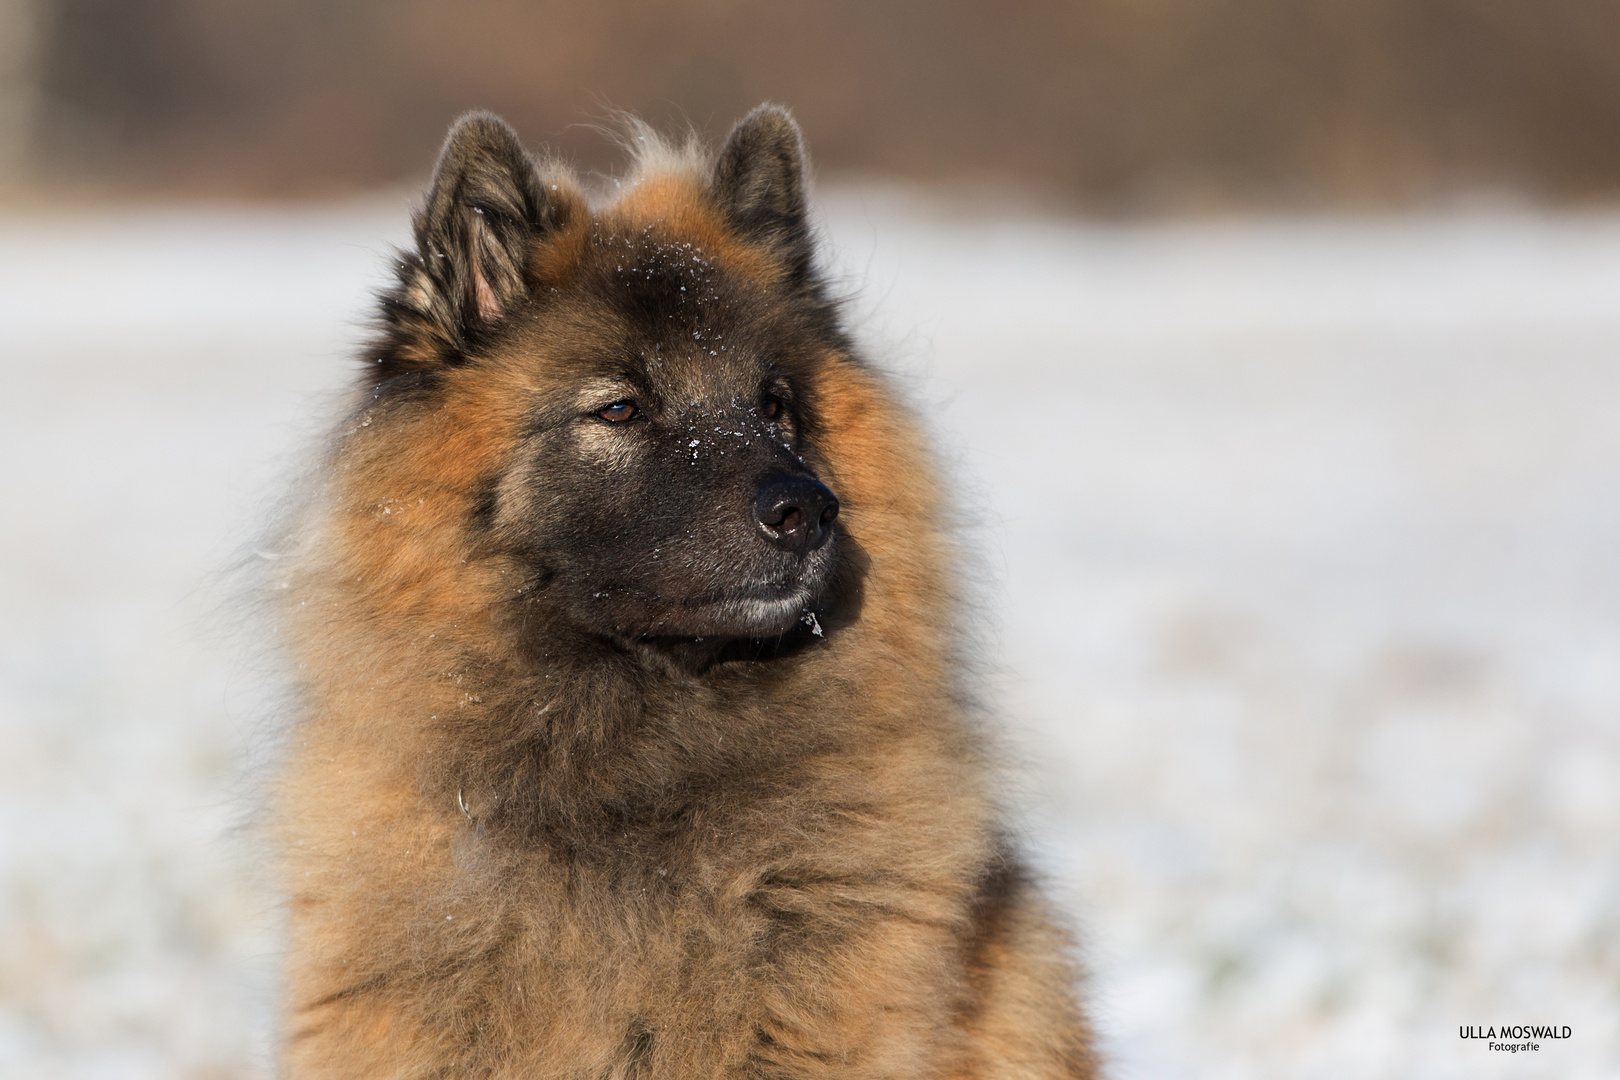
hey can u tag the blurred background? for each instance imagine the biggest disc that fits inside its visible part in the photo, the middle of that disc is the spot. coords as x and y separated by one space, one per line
1107 105
1274 345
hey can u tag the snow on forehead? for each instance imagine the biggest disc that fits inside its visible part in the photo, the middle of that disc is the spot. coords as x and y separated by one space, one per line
653 255
696 353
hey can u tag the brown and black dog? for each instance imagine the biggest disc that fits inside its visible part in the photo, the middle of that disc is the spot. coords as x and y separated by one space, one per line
632 739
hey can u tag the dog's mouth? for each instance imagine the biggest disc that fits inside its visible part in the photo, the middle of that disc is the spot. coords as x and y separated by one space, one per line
751 609
758 613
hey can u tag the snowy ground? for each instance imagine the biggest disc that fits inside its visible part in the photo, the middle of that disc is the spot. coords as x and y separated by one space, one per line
1303 543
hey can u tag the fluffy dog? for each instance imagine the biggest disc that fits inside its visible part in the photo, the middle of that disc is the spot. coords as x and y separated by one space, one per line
631 739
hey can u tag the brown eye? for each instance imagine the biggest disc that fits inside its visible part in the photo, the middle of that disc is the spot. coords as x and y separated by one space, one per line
619 412
773 408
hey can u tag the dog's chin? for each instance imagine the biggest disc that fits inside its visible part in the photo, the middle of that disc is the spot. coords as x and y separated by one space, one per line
767 606
753 616
757 614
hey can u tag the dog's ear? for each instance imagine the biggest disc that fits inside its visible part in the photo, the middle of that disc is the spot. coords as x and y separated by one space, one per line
759 182
486 206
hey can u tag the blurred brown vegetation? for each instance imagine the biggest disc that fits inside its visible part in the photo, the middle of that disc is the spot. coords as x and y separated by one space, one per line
1106 104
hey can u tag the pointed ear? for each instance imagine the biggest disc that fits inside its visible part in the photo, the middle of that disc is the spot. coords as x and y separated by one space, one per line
486 206
759 182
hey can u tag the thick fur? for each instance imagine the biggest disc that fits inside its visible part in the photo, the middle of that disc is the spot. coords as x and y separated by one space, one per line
588 780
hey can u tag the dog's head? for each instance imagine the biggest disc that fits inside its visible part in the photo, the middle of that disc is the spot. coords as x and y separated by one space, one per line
649 368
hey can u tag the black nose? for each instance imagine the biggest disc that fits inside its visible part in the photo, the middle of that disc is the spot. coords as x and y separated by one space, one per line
795 512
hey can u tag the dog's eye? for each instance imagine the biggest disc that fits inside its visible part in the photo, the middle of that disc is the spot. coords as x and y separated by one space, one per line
619 412
773 407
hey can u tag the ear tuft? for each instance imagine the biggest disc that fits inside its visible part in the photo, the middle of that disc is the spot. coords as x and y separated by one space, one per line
759 182
485 208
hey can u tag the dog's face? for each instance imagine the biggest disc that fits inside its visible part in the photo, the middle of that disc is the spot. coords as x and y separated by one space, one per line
662 477
669 483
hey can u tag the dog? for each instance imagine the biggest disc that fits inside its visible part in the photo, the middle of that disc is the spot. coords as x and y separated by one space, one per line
632 738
